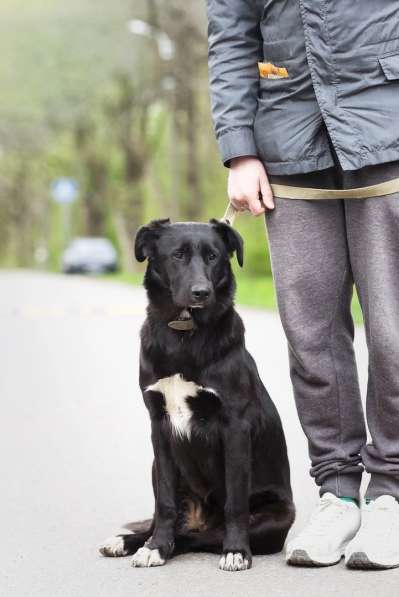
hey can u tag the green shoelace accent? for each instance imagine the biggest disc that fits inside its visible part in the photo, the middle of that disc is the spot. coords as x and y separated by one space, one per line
349 499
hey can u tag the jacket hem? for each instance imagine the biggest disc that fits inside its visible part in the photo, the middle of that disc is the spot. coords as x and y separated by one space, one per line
370 158
310 164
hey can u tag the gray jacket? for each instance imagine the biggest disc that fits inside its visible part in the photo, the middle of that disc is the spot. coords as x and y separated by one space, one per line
341 61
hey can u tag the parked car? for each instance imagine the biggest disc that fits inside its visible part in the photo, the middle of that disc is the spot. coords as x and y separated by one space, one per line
89 256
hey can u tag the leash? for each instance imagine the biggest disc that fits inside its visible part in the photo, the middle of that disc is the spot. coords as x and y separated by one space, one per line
230 214
381 189
282 191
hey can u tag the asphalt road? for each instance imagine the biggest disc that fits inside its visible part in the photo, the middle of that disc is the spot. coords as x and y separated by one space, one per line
76 455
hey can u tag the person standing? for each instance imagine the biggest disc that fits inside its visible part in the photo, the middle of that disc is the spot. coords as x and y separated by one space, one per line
306 93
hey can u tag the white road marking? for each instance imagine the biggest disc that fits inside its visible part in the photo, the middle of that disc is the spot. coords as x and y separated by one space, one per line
49 311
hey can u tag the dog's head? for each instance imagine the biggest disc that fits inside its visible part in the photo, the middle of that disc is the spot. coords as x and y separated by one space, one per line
190 260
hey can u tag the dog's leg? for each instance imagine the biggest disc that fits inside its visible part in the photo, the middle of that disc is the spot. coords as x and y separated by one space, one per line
237 454
270 526
160 545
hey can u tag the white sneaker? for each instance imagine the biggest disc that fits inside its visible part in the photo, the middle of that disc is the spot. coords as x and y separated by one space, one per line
323 541
376 545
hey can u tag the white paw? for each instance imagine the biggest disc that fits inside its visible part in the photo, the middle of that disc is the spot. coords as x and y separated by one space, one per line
146 557
233 561
113 547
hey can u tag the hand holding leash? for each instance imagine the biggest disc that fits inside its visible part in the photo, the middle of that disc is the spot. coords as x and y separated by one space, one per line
376 191
248 186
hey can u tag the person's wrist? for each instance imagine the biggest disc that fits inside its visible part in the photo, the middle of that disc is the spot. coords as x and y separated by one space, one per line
238 161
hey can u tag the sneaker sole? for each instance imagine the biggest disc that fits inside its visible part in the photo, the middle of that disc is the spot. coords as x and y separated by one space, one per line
300 557
360 561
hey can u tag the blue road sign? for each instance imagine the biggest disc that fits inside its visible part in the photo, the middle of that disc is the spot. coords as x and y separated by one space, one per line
65 190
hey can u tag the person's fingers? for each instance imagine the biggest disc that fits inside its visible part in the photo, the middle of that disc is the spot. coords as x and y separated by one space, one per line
238 205
254 204
248 202
266 191
238 201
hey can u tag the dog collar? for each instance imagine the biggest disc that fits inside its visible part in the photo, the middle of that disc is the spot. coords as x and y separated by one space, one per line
184 322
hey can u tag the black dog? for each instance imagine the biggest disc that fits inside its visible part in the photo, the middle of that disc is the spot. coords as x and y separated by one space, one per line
221 476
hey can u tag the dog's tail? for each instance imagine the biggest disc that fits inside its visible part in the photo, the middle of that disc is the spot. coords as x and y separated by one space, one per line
208 541
124 545
140 526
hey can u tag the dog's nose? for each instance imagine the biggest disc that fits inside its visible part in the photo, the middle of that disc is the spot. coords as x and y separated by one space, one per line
200 293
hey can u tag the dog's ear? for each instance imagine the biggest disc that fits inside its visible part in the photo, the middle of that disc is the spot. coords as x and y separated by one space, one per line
146 236
231 239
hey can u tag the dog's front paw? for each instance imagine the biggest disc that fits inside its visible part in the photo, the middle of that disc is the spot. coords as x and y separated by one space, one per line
114 547
146 558
233 561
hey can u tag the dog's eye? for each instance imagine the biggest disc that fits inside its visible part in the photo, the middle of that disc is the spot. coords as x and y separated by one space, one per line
212 256
178 254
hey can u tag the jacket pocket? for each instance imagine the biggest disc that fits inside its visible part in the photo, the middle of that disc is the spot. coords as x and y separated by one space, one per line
267 70
390 65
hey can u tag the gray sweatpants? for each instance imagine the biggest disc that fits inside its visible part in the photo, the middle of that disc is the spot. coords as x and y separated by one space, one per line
319 249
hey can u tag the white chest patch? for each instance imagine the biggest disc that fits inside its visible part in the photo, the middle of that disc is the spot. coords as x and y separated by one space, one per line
175 389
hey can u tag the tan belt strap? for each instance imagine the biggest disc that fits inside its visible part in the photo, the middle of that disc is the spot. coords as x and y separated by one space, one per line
309 194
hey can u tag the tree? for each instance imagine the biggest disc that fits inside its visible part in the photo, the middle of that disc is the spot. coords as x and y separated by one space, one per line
94 165
184 25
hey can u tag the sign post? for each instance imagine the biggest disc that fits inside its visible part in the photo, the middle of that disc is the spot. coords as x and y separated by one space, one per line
65 191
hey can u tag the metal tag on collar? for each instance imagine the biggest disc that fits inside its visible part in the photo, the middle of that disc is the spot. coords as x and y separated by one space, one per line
184 323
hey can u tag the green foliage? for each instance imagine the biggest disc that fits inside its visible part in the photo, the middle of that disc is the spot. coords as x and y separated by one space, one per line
253 231
82 97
